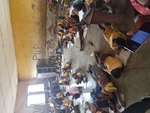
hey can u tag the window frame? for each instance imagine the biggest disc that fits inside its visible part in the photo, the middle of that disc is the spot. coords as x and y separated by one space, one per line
35 93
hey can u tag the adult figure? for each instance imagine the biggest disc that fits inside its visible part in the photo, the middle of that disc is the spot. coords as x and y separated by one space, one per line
98 16
113 36
93 16
142 14
142 6
79 4
140 20
139 107
144 2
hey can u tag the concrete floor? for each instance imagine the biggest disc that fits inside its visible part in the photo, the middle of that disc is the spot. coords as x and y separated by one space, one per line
135 80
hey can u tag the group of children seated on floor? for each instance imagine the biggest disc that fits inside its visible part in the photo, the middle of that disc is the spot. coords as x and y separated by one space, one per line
60 95
67 27
78 76
105 93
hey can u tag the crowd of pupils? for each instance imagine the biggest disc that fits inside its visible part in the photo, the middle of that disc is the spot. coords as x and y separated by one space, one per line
105 93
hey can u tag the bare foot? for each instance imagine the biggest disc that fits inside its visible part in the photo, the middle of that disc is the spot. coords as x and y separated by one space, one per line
130 33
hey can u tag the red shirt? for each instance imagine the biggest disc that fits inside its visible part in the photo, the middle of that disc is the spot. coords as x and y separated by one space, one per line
140 8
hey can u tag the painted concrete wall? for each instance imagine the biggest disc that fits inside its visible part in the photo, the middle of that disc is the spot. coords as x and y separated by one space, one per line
28 20
51 21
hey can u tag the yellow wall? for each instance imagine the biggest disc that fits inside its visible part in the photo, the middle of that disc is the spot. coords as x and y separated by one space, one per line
28 21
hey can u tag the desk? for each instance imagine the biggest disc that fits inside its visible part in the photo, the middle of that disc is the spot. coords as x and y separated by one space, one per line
93 16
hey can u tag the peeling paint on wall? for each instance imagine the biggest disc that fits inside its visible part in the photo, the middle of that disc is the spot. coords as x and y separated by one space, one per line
51 39
28 21
34 33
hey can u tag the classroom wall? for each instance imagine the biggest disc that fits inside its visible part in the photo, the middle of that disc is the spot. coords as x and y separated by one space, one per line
28 21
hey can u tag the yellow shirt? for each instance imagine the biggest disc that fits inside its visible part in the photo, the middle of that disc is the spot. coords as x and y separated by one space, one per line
67 102
66 74
112 63
72 30
68 18
69 36
109 89
113 33
98 111
59 23
89 1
